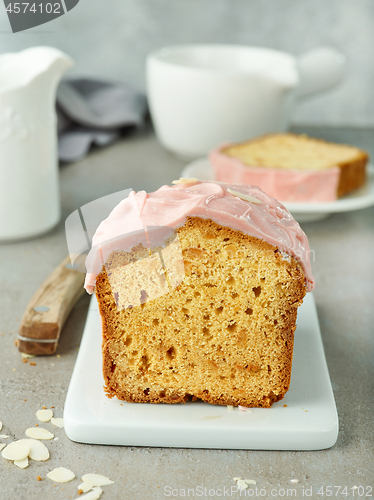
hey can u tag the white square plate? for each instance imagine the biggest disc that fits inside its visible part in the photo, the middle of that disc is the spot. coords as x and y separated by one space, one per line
308 422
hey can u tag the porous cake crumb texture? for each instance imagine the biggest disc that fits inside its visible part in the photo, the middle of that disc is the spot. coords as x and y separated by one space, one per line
223 335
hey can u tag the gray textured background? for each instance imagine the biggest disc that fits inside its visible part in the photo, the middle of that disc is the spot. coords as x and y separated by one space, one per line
110 39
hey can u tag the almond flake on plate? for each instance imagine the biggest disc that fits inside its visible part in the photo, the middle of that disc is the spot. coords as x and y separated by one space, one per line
95 494
38 433
96 479
230 408
58 422
15 451
22 464
245 197
1 425
44 415
85 487
27 356
61 475
38 451
4 436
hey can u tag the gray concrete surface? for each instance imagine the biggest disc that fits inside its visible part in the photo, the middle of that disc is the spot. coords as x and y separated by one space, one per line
344 270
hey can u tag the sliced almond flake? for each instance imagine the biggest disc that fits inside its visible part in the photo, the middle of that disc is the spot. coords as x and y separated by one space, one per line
294 481
39 433
85 487
38 451
1 425
250 481
95 494
230 408
15 451
44 415
245 197
22 464
61 475
185 180
2 446
58 422
242 485
96 479
27 356
4 436
244 408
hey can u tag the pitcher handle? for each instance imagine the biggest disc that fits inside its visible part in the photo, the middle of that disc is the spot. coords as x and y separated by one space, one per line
320 69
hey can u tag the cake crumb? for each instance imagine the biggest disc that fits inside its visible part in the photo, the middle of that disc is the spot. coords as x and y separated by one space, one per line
24 360
16 343
38 478
285 406
32 364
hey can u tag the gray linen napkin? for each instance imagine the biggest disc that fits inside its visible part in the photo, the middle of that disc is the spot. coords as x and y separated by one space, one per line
95 112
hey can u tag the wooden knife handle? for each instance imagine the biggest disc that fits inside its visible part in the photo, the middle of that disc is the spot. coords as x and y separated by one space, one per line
49 308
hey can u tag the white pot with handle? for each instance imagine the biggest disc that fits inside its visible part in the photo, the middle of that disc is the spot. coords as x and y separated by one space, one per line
201 96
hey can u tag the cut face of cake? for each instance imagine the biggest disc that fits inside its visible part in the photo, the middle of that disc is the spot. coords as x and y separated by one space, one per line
292 167
202 302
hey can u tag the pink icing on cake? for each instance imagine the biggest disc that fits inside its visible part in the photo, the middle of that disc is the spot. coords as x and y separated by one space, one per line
170 206
285 185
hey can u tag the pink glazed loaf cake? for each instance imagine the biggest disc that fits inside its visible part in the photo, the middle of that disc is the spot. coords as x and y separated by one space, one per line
292 168
198 288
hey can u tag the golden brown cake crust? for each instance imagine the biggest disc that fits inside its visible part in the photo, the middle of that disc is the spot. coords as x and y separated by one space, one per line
224 335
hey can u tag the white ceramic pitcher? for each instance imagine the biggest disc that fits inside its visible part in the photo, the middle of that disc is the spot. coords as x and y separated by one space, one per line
203 95
29 187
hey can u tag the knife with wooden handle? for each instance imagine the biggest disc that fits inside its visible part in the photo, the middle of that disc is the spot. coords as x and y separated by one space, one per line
48 310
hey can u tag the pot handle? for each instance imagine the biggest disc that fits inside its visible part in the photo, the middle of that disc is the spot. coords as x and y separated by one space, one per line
319 70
